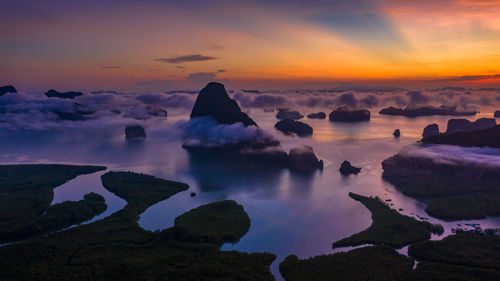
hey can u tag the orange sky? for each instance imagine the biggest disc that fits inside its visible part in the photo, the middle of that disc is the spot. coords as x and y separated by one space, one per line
164 45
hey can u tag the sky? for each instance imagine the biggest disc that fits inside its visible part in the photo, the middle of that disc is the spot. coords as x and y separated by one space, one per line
155 45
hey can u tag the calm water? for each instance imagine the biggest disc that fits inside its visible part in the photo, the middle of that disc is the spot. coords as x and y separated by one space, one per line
290 213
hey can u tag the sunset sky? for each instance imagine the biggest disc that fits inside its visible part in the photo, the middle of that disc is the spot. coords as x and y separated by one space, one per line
164 45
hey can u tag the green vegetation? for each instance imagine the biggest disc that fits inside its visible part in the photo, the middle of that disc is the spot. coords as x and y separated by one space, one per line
376 263
463 256
26 192
224 219
388 227
57 217
465 206
117 248
140 190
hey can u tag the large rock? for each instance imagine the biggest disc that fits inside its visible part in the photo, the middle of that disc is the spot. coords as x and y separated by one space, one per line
289 126
346 168
317 115
431 130
464 125
397 133
303 159
214 101
62 95
135 132
425 111
343 114
285 113
7 89
486 137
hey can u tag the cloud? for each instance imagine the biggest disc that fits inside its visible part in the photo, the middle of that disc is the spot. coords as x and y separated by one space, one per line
176 100
186 58
466 78
417 98
111 67
260 101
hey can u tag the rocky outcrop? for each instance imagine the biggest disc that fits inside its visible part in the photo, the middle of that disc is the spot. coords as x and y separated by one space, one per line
431 130
464 125
317 115
134 133
396 133
425 111
343 114
62 95
346 168
7 89
285 113
289 127
304 160
214 101
486 137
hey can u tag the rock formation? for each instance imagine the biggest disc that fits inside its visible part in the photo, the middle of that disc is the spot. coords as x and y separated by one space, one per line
303 159
431 130
346 168
396 133
285 113
62 95
289 126
214 101
135 132
343 114
496 114
486 137
464 125
7 89
317 115
425 111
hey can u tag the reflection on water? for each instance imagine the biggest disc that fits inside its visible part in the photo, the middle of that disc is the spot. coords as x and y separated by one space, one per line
290 213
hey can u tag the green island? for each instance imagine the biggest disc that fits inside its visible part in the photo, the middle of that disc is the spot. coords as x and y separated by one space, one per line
377 263
26 192
117 248
461 257
389 227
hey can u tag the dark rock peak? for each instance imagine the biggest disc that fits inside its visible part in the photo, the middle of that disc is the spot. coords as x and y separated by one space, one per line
62 95
135 132
302 159
496 114
289 126
214 101
7 89
431 130
346 168
286 113
317 115
397 133
343 114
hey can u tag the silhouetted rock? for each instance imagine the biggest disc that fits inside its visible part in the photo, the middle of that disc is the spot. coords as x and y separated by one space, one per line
303 159
396 133
486 137
193 194
289 126
62 95
496 114
346 168
425 111
431 130
214 101
343 114
7 89
135 132
464 125
285 113
318 115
